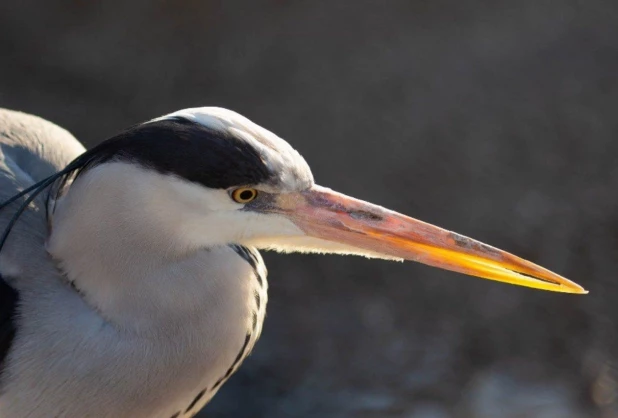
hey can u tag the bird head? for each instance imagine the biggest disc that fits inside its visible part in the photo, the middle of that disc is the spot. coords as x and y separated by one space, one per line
230 181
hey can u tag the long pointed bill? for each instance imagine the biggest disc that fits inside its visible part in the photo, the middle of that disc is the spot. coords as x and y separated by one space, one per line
331 216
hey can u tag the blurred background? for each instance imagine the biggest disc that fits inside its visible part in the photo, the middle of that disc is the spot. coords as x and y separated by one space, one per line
496 119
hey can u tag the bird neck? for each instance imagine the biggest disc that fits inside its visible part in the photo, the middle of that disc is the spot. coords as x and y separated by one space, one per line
118 237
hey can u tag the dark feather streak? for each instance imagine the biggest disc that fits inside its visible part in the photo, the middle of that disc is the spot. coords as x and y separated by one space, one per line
8 306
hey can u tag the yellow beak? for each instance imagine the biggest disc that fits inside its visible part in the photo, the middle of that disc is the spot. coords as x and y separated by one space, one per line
332 216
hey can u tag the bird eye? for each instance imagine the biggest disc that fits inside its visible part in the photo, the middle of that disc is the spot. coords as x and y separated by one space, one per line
244 195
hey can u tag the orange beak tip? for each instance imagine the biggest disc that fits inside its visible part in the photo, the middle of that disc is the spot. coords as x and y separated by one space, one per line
580 291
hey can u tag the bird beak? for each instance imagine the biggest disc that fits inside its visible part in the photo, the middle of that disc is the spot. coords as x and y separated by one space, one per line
327 215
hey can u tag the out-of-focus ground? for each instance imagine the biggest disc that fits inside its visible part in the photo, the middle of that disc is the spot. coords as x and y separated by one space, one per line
497 119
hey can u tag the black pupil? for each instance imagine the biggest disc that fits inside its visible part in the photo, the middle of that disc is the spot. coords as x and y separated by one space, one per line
246 195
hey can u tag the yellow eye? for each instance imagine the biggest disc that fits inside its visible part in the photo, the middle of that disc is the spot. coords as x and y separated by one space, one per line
244 195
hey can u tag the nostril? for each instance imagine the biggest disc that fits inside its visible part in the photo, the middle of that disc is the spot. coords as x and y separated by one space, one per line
364 215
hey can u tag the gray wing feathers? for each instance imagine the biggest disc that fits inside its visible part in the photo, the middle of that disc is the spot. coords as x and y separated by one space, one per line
35 146
31 149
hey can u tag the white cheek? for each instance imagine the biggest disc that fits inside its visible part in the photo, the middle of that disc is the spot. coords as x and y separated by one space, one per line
235 227
210 217
203 200
268 226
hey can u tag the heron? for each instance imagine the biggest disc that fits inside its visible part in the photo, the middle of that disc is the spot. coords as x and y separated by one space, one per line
131 282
